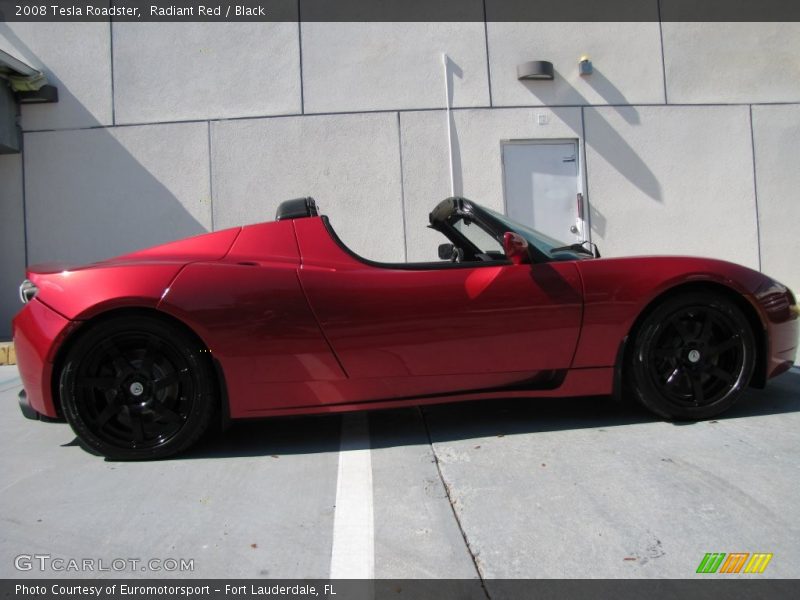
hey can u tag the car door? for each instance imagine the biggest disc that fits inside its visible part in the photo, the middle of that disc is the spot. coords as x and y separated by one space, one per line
434 319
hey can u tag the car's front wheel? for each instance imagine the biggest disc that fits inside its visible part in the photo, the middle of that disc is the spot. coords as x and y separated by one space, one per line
692 356
137 388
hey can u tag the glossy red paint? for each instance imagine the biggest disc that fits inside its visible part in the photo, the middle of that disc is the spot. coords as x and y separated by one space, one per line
487 320
38 332
298 324
618 289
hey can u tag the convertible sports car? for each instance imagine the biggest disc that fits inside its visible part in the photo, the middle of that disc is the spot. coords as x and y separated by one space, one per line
143 352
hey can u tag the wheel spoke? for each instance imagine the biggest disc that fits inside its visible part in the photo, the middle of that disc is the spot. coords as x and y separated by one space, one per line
108 412
121 364
165 381
705 331
697 389
724 346
137 426
666 353
683 330
99 383
722 374
153 344
165 414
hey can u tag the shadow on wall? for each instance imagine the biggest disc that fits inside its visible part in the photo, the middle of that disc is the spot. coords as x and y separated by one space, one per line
605 140
101 191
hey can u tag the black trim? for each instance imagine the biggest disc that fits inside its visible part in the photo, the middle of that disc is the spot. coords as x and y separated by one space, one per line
542 381
224 401
27 410
618 386
420 266
297 208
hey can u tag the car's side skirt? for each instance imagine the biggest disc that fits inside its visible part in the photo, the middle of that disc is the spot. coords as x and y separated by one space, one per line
576 382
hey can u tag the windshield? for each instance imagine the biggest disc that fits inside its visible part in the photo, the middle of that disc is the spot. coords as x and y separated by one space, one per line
482 239
541 241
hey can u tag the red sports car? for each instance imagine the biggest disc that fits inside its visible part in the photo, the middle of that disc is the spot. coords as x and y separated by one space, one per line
141 353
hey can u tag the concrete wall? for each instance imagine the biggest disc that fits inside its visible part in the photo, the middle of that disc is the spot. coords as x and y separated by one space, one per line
350 163
12 239
183 71
390 66
687 132
92 193
776 132
731 62
659 185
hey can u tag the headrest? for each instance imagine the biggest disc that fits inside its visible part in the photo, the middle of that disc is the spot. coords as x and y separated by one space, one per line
298 208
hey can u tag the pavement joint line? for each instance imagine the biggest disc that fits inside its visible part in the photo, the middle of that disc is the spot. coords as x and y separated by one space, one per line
353 547
452 505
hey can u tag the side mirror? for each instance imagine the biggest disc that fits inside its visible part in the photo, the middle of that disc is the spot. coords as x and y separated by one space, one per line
516 248
446 251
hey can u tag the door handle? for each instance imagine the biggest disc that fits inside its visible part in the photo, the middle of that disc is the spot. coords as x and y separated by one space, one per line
574 229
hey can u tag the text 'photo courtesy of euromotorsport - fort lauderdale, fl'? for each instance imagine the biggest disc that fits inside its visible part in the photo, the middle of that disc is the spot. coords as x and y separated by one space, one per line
173 590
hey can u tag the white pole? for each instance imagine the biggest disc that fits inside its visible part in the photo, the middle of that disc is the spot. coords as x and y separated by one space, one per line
449 124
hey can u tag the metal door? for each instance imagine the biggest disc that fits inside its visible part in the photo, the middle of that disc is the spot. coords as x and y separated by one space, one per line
542 186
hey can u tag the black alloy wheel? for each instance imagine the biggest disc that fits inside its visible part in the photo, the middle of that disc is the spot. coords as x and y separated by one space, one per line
137 388
692 357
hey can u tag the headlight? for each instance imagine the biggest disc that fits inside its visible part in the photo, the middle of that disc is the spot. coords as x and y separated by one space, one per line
777 299
27 291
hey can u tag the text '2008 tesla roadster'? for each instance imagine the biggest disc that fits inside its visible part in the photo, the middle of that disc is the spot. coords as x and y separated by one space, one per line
143 352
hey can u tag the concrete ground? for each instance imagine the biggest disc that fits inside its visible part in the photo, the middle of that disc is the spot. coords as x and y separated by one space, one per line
504 489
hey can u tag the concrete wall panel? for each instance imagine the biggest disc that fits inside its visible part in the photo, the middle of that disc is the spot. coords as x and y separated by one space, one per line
12 240
184 71
477 160
672 180
776 131
349 163
732 62
96 193
626 59
76 57
380 66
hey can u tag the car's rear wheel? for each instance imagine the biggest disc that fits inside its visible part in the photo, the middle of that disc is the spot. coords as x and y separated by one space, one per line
692 356
137 388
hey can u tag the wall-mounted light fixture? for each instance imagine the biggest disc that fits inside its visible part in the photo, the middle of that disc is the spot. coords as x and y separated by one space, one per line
535 69
585 65
45 94
28 84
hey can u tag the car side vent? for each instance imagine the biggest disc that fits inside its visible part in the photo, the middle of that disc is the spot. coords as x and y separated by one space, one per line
298 208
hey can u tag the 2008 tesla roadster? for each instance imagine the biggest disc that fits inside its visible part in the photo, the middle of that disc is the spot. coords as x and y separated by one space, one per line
141 353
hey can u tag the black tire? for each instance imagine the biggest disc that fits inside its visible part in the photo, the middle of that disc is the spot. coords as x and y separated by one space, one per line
136 388
691 357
